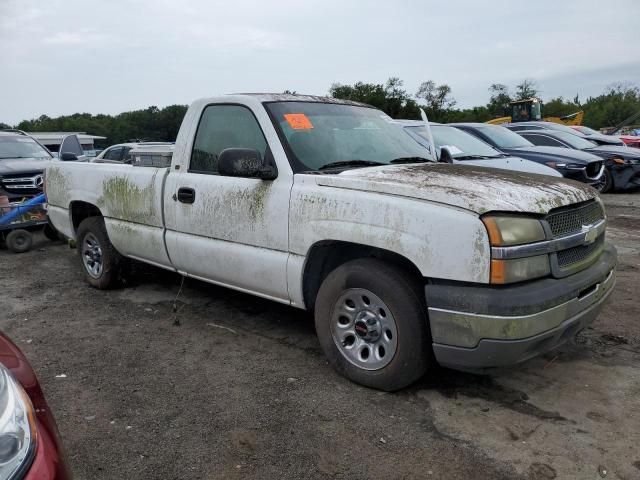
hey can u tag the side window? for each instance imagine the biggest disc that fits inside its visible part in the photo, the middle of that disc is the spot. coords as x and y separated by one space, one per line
224 126
126 158
113 153
543 140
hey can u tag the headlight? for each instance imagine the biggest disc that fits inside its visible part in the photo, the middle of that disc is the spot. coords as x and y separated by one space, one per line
569 166
511 230
505 231
17 426
556 165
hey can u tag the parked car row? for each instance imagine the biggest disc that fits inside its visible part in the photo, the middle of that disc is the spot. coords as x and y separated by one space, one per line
605 164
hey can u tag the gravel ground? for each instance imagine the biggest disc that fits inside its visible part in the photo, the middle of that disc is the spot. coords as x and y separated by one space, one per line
232 386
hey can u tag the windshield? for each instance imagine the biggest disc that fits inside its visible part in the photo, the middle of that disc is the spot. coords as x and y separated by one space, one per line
19 146
563 128
576 142
461 145
503 137
588 131
320 134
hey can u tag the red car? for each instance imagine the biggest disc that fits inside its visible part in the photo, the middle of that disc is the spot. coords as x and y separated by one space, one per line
630 140
30 446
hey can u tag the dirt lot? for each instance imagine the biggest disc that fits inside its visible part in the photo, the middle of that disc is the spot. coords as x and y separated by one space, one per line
236 387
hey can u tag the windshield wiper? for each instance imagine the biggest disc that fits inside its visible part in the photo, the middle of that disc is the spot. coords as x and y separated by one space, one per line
350 163
476 157
410 160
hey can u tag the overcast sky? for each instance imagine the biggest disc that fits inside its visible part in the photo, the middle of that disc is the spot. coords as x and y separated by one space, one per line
66 56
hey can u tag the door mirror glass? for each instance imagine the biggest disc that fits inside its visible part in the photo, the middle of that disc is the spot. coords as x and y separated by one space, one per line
244 162
68 156
445 156
71 144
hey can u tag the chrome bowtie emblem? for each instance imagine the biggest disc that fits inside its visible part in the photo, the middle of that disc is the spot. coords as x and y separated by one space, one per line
590 234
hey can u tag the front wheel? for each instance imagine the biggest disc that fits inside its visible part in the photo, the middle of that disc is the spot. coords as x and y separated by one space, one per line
101 262
606 185
371 321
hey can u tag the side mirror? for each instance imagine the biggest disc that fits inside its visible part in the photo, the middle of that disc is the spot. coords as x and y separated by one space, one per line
244 162
445 156
68 157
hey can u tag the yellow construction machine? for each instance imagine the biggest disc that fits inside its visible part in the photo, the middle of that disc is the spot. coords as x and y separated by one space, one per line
530 110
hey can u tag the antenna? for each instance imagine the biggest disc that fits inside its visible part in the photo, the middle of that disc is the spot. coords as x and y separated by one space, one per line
432 145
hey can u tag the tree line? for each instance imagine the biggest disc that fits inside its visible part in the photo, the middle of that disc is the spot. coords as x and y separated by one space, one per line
617 103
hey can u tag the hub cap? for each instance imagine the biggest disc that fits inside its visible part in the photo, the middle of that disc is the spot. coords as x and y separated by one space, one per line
364 329
92 255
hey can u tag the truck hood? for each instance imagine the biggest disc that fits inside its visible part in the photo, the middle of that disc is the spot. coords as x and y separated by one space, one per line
554 154
23 165
464 186
513 163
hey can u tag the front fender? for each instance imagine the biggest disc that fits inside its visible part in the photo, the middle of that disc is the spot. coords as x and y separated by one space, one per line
441 241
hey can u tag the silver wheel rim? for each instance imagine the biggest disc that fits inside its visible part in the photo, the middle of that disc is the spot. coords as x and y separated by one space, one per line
363 329
92 255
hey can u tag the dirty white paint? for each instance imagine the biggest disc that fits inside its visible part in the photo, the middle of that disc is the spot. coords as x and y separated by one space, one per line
441 241
472 188
254 235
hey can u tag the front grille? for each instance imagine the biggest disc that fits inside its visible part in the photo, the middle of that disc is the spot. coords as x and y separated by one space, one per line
593 169
568 220
22 183
572 256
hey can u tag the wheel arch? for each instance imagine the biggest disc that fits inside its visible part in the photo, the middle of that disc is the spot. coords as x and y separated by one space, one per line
80 210
325 256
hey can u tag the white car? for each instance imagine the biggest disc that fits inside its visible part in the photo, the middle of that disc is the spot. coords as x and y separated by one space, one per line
466 149
119 153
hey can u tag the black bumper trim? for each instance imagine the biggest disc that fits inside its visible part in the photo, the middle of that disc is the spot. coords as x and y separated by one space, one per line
518 299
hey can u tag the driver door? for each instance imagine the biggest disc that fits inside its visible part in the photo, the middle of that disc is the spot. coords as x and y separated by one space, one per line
232 231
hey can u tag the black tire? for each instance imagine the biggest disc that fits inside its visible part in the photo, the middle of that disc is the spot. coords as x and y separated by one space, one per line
607 183
110 275
403 297
51 233
19 241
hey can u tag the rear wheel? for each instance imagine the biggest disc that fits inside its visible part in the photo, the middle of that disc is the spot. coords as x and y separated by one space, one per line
372 324
19 241
101 262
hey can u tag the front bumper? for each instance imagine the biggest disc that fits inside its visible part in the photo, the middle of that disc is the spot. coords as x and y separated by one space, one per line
499 326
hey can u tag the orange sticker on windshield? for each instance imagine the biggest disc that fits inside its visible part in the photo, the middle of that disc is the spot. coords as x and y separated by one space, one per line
298 121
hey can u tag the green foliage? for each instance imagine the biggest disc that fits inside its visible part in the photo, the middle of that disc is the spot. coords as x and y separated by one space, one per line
618 103
559 107
498 105
151 123
390 97
526 89
437 97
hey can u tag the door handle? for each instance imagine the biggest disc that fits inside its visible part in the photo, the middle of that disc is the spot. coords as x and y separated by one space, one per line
186 195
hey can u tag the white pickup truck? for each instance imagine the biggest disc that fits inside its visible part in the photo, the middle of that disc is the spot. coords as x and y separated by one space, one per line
327 205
